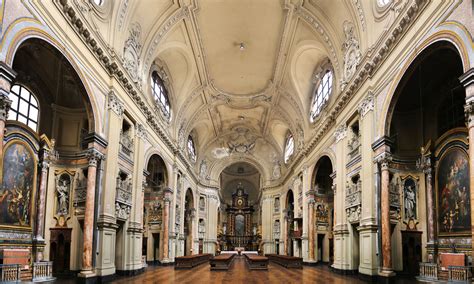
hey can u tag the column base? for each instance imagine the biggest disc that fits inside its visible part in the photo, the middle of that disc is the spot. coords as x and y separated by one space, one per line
310 262
386 273
87 276
166 260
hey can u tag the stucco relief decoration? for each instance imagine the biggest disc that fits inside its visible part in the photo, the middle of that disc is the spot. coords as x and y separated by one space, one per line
366 105
353 199
276 171
203 169
123 198
242 141
352 54
131 51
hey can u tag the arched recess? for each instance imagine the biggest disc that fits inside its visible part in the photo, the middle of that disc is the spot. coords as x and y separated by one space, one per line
156 181
443 36
23 36
189 220
217 168
425 123
321 183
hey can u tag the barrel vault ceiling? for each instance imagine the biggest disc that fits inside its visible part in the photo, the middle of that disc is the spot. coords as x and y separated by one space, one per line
240 73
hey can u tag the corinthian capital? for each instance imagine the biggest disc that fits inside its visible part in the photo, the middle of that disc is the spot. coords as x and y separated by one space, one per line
384 160
469 112
94 156
115 104
5 104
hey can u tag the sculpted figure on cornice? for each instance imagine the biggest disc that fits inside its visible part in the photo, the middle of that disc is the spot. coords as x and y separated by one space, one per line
352 54
131 51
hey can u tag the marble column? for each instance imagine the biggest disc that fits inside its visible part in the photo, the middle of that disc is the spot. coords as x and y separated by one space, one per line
387 270
311 231
40 209
467 79
94 157
166 221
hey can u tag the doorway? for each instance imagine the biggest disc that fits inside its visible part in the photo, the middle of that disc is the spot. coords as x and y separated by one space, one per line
320 255
411 252
156 247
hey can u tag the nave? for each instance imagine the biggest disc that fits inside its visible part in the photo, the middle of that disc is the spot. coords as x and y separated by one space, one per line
239 273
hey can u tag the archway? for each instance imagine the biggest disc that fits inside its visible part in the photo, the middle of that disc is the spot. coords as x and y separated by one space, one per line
52 109
156 182
322 183
429 201
240 192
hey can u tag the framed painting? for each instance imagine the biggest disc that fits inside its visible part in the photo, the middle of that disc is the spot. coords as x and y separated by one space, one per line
453 193
18 185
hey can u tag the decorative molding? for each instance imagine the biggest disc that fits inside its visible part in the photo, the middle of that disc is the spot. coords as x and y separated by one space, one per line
366 105
131 51
360 11
114 103
141 132
123 12
341 132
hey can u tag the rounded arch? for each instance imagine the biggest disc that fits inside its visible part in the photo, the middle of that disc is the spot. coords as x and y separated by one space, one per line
217 168
446 37
322 171
157 171
22 36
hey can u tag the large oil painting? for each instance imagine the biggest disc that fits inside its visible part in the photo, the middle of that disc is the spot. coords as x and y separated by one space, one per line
453 193
17 187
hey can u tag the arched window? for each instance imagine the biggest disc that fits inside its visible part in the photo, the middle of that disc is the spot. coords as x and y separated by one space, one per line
191 149
321 95
160 94
24 107
289 147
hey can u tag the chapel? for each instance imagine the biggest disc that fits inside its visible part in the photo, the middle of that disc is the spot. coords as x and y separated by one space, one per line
244 141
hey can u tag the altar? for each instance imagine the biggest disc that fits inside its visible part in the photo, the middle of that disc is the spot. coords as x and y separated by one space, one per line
241 233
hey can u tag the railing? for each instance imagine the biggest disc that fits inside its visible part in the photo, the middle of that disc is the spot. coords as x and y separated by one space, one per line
42 271
10 272
459 273
428 271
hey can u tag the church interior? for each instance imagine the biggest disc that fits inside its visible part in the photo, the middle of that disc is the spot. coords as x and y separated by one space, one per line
182 141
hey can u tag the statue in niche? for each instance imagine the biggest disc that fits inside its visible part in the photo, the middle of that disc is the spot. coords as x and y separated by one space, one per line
277 205
276 174
202 203
409 189
62 189
201 226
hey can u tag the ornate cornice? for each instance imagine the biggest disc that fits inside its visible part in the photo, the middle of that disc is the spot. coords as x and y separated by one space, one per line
366 105
114 103
341 132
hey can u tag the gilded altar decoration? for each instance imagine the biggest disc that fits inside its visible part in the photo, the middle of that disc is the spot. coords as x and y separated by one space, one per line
454 214
18 185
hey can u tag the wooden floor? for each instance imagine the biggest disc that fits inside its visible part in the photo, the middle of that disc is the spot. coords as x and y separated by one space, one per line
239 273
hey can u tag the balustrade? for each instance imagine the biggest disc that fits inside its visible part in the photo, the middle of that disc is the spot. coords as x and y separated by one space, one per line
459 273
10 272
428 271
43 271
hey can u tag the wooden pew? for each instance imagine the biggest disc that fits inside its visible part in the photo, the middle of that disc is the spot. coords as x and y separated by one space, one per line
190 261
256 262
286 261
222 261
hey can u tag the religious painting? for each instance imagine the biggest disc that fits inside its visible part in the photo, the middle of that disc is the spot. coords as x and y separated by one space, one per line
410 198
17 186
239 225
453 200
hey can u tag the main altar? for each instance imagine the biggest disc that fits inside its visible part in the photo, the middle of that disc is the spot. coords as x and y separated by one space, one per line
239 232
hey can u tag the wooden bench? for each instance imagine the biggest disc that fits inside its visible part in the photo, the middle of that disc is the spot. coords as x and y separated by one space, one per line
286 261
222 261
190 261
256 262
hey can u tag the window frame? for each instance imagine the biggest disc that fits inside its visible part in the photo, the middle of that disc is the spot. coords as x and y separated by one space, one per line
287 155
320 98
162 99
15 110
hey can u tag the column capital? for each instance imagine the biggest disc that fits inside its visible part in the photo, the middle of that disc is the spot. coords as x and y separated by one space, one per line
44 165
469 112
366 105
341 132
7 75
114 103
94 156
5 104
141 131
384 160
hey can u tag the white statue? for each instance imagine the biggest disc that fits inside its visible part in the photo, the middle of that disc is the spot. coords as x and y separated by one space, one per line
410 202
203 169
62 188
